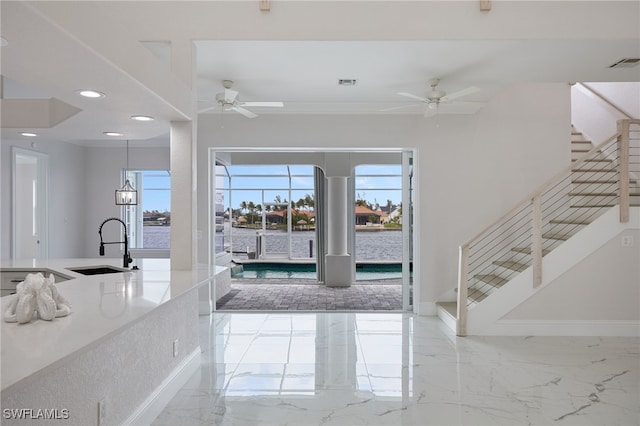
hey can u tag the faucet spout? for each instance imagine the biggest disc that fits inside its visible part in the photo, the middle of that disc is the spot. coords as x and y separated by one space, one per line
126 258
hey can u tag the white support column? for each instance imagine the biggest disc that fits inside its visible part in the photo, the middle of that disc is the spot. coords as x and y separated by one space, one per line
182 196
338 261
337 214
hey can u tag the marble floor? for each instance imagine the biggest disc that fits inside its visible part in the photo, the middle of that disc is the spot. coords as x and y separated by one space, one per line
400 369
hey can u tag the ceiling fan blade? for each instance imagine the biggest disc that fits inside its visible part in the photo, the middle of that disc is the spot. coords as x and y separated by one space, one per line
208 109
245 112
460 93
262 104
409 95
398 107
230 95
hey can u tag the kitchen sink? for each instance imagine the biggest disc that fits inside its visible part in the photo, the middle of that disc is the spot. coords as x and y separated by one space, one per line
97 270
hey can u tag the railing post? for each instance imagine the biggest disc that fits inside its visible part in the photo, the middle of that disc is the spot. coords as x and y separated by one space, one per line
536 240
463 267
623 145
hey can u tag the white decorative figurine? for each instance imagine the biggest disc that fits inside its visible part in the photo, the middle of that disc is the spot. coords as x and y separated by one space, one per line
37 294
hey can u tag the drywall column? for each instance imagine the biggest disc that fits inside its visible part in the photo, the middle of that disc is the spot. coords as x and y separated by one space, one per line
183 205
182 196
337 260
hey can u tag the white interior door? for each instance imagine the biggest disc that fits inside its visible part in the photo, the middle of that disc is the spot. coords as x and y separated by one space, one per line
30 183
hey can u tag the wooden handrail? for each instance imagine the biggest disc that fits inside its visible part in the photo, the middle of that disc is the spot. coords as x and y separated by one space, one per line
607 101
546 185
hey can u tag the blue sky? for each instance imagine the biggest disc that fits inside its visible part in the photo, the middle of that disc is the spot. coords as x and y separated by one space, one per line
252 183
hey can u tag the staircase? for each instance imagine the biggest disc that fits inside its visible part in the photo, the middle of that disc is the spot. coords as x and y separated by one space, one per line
599 178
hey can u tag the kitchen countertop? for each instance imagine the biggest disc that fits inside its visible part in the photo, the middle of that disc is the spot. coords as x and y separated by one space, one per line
102 305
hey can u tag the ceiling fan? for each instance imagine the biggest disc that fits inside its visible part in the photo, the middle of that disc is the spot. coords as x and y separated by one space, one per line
435 98
229 101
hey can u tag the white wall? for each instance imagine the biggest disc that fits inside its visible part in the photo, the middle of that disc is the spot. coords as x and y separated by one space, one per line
82 181
604 286
104 174
66 196
594 117
470 168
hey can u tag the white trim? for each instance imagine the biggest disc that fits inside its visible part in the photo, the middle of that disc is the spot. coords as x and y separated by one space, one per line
153 405
608 328
448 319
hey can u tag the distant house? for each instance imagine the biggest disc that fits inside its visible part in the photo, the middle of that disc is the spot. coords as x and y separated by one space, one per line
278 217
365 215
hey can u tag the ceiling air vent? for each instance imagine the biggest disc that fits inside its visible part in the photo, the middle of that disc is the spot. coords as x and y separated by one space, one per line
347 82
626 63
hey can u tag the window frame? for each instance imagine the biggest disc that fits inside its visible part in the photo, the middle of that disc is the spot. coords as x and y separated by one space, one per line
134 214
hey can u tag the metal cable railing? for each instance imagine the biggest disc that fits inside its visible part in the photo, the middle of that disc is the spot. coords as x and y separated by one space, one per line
606 176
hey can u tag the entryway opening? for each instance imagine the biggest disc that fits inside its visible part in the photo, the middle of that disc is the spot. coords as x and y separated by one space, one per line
273 215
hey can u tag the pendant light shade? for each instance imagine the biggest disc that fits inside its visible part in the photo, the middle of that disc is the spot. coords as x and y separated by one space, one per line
127 195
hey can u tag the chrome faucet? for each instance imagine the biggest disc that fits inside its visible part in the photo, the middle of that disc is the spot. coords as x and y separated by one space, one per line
126 259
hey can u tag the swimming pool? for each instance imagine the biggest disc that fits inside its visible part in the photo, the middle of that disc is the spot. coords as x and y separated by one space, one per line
283 270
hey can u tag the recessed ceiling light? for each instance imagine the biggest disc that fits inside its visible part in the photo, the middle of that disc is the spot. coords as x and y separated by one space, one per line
91 93
141 118
112 134
29 134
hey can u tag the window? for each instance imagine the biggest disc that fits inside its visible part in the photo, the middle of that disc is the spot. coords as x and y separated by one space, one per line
149 222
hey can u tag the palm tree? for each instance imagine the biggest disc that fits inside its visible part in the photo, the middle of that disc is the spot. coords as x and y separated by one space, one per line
243 206
251 206
310 202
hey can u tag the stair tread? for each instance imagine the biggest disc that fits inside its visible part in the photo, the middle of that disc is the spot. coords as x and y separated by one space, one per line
527 250
598 160
592 206
476 295
450 307
491 279
510 264
569 222
595 194
612 170
598 181
556 236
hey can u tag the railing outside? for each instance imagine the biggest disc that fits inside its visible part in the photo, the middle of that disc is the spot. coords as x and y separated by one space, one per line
606 176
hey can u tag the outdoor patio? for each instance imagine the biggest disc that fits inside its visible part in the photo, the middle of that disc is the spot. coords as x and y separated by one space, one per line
308 295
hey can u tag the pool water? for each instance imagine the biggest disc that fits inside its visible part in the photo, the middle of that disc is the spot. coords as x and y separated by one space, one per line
364 271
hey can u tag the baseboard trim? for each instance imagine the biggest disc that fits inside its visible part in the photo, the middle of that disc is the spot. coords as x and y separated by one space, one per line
147 412
604 328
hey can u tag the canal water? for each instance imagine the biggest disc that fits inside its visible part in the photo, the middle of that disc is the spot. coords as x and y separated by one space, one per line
370 245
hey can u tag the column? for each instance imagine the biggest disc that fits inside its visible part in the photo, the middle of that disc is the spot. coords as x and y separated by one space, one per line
338 262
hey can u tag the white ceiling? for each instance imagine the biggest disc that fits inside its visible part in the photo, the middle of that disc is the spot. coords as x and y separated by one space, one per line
295 54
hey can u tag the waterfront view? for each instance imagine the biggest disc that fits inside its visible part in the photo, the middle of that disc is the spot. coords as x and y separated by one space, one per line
370 245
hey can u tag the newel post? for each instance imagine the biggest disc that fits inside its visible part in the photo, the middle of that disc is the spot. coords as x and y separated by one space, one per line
623 144
463 265
536 240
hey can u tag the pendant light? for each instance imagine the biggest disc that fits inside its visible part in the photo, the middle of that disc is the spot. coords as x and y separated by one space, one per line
127 195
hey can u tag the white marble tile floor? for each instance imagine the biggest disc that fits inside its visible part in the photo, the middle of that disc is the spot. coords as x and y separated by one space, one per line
400 369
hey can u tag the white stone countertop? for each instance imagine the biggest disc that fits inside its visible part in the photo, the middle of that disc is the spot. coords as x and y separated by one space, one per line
102 305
